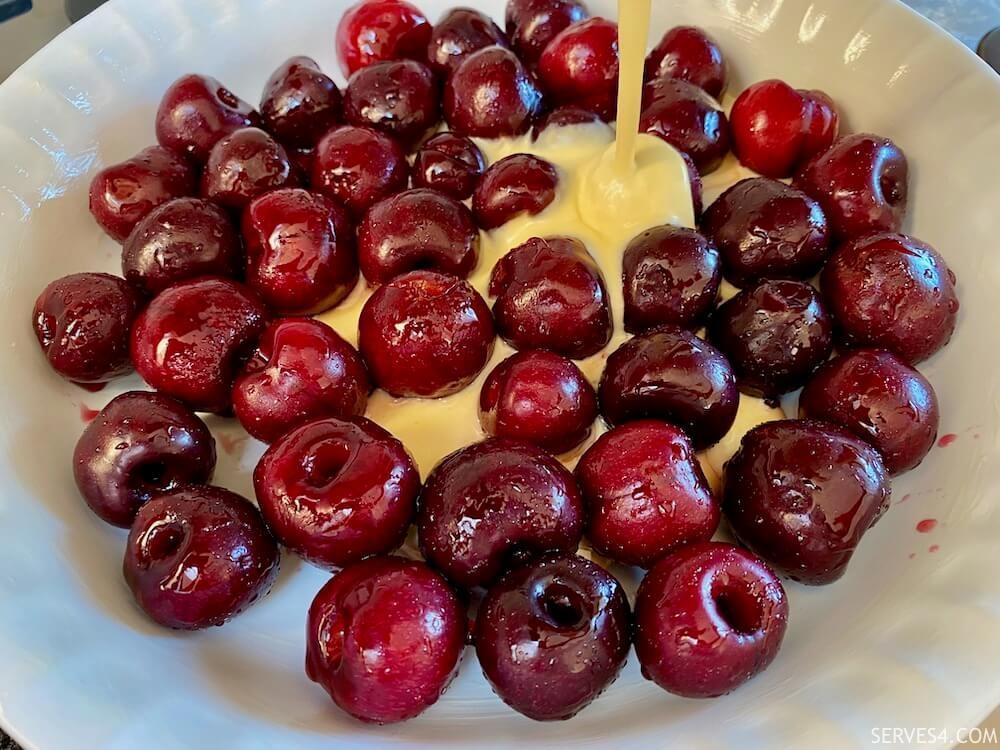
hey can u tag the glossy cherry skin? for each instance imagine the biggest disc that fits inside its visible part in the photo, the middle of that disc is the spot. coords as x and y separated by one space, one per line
300 251
532 24
671 276
196 112
491 95
301 370
517 184
552 635
300 103
671 374
645 493
197 556
894 292
707 619
359 167
563 116
802 494
418 229
538 397
243 165
580 66
697 186
495 503
398 97
767 230
550 295
881 399
774 334
82 323
191 340
371 31
862 183
689 54
449 164
459 33
688 119
140 445
336 491
384 638
425 334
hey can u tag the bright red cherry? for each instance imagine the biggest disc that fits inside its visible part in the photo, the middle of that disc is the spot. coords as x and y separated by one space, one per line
580 66
449 164
689 54
300 103
515 185
243 165
371 31
688 119
398 97
532 24
359 167
459 33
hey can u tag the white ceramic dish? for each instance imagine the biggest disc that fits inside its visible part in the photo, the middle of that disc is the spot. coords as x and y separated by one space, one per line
909 638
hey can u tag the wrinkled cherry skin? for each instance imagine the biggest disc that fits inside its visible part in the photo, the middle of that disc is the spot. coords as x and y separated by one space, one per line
494 503
359 167
336 491
688 119
894 292
862 183
567 114
671 275
774 334
767 230
82 323
301 370
384 638
538 397
517 184
580 66
190 341
196 112
300 103
491 95
371 31
243 165
425 334
707 619
552 635
550 295
689 54
671 374
197 556
459 33
532 24
300 251
182 239
418 229
140 445
881 399
398 97
802 494
645 493
449 164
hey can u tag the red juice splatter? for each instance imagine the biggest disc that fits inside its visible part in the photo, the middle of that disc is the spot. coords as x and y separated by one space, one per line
947 440
913 555
87 414
933 548
231 443
903 499
927 525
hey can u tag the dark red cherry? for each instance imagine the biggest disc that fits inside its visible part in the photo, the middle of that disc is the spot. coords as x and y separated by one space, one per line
371 31
580 66
688 119
697 186
532 24
300 103
515 185
449 164
399 98
459 33
689 54
243 165
564 116
359 167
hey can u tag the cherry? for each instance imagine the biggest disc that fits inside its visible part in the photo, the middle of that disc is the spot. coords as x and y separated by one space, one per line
336 491
580 66
708 618
301 370
359 167
82 323
550 295
399 98
371 31
671 374
138 446
688 53
243 165
894 292
697 186
196 112
197 556
517 184
532 24
802 494
564 116
877 396
552 635
495 502
300 251
491 95
862 183
688 119
538 397
767 230
300 103
459 33
385 638
418 229
775 334
425 334
192 339
671 275
449 164
121 195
